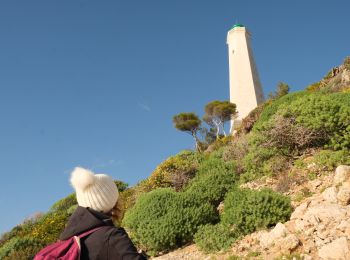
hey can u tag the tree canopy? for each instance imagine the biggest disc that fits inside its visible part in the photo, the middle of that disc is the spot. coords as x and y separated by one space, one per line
217 113
190 123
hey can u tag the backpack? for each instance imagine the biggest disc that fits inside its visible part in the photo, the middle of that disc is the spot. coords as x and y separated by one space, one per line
64 249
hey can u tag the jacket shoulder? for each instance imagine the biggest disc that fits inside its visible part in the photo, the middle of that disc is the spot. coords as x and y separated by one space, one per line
119 244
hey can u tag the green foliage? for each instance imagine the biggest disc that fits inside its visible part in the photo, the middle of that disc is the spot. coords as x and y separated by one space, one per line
175 171
249 121
302 194
315 87
219 143
19 244
328 114
65 203
234 257
273 106
282 90
212 238
48 228
122 186
188 122
249 210
163 219
256 162
331 159
217 113
284 133
293 124
213 180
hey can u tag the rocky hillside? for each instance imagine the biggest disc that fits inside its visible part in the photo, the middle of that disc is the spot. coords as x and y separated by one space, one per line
278 189
319 227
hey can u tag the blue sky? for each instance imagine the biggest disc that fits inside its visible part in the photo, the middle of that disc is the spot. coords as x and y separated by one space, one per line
96 83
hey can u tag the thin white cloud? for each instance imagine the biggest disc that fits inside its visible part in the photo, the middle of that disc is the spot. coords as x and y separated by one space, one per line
104 164
99 164
144 106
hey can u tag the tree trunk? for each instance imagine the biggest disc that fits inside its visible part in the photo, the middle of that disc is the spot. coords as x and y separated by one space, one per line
198 148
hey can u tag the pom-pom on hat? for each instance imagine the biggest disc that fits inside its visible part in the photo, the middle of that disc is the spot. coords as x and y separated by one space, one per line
96 191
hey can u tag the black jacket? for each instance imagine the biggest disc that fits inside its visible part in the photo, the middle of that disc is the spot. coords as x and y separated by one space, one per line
108 242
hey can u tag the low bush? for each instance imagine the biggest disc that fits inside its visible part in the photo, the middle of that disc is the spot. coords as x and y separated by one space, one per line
20 244
285 134
65 203
315 87
213 180
254 162
249 121
249 210
26 253
49 227
175 171
164 219
328 114
272 107
329 159
212 238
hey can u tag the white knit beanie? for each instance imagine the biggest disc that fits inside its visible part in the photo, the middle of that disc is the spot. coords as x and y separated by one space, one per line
96 191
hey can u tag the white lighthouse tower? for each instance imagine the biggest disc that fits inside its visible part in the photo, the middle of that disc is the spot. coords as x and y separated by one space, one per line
245 87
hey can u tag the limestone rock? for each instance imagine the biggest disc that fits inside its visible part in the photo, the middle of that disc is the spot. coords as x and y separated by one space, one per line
342 174
315 184
343 195
267 239
299 211
279 231
338 249
289 243
330 194
325 213
344 224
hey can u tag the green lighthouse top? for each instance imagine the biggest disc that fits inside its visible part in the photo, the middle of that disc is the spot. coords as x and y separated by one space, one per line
237 25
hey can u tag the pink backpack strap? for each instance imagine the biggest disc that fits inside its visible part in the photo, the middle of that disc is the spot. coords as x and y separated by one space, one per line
89 232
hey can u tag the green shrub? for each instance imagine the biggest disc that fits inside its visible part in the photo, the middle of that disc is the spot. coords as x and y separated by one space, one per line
49 227
65 203
249 210
175 171
249 121
329 114
271 108
289 127
17 244
122 186
163 219
314 87
213 238
214 179
254 162
331 159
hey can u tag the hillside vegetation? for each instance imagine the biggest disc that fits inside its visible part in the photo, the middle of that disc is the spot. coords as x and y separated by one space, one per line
203 196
